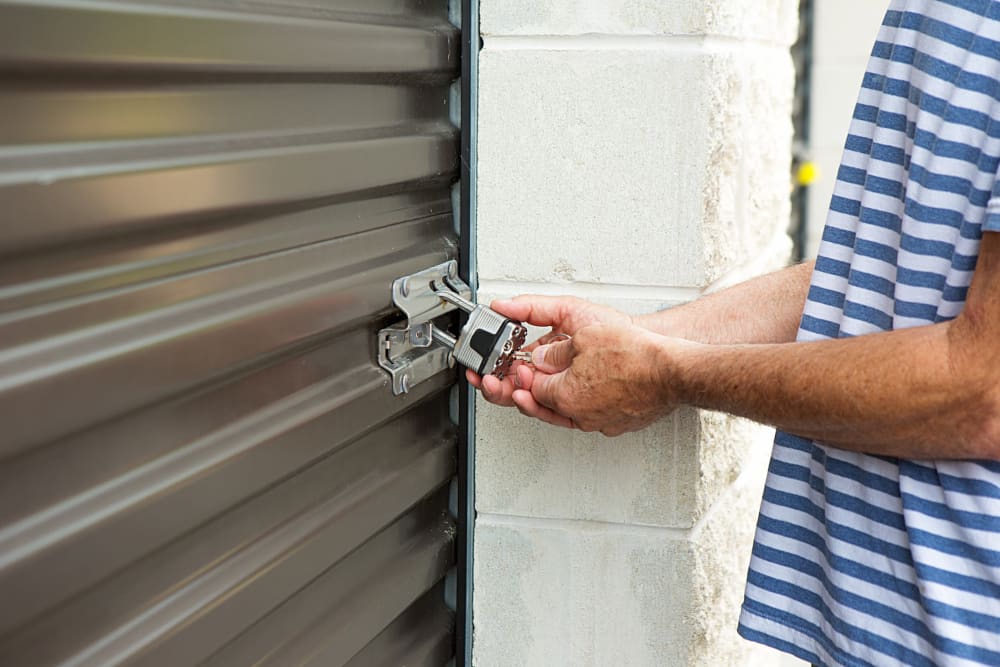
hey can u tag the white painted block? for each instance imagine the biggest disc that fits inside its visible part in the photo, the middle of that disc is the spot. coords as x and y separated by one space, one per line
527 468
633 152
652 166
593 594
576 594
668 475
769 20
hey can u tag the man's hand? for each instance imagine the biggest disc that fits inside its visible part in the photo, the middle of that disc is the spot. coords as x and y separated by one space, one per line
566 315
612 378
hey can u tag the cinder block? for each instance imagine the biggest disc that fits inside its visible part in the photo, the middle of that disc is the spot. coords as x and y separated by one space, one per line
721 547
527 468
580 595
632 167
747 202
769 21
668 475
591 594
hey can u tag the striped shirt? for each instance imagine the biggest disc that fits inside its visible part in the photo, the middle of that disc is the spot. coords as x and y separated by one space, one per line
868 560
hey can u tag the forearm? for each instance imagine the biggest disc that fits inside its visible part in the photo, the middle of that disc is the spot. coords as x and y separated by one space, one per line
904 393
766 309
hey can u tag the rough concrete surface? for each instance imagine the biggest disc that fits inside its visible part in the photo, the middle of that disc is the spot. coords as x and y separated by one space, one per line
669 475
771 21
647 478
594 164
635 153
591 593
580 594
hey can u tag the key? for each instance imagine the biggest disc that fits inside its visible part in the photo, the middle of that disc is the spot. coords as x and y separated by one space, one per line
528 357
524 356
489 342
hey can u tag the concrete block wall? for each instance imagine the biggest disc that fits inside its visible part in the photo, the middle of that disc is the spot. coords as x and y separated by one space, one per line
635 153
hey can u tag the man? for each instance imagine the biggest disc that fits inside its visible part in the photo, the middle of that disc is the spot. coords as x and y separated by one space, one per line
878 541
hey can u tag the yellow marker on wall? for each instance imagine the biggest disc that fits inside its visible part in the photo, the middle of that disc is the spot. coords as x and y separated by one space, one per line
807 174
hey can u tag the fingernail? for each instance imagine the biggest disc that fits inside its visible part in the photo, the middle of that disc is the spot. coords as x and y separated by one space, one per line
515 379
538 356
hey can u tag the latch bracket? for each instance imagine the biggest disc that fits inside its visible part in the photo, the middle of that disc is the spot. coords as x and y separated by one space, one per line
415 350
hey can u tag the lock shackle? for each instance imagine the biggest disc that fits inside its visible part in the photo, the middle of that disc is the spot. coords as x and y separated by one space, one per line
444 338
453 298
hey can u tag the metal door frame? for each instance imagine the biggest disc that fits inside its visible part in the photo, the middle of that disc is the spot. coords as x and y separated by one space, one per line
471 43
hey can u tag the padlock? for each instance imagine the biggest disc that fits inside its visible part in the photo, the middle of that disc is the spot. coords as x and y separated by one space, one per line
487 342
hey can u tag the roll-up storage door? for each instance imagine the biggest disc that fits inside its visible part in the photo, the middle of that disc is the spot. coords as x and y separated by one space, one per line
204 204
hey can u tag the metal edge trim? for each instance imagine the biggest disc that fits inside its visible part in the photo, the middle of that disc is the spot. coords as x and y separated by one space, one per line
468 271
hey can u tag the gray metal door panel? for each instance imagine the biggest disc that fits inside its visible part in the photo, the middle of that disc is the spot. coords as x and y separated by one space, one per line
202 207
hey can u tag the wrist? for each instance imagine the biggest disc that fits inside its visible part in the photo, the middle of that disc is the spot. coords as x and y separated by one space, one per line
675 363
662 322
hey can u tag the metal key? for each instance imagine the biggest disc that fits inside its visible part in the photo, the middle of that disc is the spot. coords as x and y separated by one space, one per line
489 342
528 357
522 355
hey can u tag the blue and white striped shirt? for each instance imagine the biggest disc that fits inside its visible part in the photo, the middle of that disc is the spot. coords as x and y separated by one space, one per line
866 560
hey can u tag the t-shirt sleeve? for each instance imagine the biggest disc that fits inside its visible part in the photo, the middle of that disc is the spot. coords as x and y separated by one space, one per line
992 221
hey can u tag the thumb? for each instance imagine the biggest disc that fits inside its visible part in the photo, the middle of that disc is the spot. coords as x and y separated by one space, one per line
547 389
554 357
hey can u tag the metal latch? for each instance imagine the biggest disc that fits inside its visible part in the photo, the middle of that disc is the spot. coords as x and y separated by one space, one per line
489 342
417 350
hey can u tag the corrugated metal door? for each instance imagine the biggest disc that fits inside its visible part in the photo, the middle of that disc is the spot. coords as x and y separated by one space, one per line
202 207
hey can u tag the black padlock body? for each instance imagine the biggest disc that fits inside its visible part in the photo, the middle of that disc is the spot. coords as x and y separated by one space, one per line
484 343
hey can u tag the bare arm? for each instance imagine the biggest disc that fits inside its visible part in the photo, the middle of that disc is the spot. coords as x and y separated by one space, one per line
927 392
910 393
766 309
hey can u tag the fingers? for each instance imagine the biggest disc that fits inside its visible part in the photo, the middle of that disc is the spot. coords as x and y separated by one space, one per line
548 339
542 311
493 389
529 407
545 402
525 377
516 389
545 390
507 394
554 357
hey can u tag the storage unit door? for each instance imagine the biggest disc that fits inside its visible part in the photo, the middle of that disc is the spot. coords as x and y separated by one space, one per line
203 204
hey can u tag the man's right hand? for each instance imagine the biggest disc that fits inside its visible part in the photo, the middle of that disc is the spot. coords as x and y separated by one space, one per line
565 314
